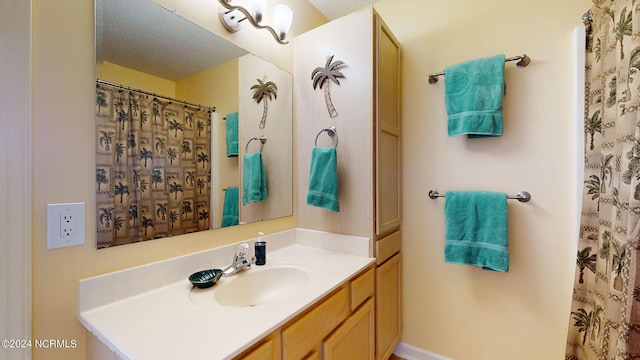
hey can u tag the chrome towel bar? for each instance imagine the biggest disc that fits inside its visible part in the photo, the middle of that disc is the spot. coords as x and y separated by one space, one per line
523 60
522 196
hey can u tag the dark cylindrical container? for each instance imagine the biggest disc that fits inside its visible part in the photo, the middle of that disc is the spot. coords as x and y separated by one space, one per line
261 252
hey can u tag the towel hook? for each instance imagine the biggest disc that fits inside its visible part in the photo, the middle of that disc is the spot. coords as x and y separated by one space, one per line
262 139
331 131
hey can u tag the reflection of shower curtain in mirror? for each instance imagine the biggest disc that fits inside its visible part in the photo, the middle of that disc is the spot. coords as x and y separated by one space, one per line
153 174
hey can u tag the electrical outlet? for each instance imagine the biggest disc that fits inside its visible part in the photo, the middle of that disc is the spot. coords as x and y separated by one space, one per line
65 225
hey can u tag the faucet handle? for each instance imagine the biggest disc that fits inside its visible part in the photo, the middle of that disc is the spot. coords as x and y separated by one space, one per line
245 263
242 250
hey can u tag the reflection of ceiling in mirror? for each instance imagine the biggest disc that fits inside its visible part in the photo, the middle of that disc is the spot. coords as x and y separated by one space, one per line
144 36
334 9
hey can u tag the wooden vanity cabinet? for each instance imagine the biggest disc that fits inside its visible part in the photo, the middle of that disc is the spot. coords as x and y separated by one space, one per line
268 349
388 189
313 356
340 326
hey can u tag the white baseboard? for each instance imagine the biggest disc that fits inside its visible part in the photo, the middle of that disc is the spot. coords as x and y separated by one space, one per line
409 352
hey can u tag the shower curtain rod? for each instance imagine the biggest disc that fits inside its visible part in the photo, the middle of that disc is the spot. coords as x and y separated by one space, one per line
124 87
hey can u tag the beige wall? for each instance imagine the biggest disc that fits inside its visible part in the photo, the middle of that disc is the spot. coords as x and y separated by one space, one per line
121 75
453 310
463 312
15 176
63 167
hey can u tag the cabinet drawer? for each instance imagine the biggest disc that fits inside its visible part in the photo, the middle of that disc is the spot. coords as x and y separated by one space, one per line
388 246
299 338
362 288
268 349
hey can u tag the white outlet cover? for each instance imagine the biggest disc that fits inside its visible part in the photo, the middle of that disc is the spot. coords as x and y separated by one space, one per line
54 238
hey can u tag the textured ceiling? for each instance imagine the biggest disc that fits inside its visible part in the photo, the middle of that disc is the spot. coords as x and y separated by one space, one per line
144 36
333 9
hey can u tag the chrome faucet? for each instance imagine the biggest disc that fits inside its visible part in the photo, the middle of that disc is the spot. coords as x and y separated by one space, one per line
241 261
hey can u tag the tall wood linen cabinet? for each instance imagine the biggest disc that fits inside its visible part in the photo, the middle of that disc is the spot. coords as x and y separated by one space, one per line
367 102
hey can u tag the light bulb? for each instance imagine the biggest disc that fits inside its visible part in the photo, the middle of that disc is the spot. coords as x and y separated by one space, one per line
257 8
282 19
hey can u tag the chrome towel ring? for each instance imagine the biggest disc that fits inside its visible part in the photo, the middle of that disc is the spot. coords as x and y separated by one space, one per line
331 131
262 139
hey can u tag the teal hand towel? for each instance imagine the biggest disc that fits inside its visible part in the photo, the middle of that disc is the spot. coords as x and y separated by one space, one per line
473 96
323 179
476 229
231 127
254 181
230 208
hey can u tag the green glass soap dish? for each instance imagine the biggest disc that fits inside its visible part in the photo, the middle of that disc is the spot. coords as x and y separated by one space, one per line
205 278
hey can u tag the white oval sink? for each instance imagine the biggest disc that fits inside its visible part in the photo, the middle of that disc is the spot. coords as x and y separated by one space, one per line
259 286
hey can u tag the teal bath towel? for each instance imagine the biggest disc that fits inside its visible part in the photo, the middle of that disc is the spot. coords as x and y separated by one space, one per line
473 96
476 229
231 127
230 208
323 179
254 181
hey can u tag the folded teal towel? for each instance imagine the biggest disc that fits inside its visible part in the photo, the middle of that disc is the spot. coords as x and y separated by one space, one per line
323 179
232 134
230 208
476 229
473 96
254 181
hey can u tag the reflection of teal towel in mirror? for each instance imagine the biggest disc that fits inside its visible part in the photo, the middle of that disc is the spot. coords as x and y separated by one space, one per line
476 229
232 134
254 181
323 179
230 208
473 96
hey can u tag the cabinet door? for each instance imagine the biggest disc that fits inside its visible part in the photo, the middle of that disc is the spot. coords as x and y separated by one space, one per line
313 356
388 129
262 352
388 306
354 339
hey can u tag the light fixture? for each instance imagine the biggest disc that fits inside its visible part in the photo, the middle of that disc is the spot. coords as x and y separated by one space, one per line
231 16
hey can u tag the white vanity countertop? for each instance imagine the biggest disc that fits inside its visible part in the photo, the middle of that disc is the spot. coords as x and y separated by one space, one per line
176 321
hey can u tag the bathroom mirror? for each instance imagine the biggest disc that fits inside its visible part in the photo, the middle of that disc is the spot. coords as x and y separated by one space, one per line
183 71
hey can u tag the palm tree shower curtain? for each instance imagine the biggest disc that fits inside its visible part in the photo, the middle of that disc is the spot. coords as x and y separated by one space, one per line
153 174
605 313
